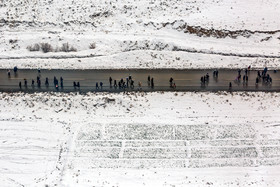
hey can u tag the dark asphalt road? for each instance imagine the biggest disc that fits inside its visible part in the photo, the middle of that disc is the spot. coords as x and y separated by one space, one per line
186 80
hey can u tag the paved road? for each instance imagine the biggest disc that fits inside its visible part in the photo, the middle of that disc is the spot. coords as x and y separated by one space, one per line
186 80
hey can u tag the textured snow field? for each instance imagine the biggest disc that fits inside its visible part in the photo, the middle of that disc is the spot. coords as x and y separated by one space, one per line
141 34
140 139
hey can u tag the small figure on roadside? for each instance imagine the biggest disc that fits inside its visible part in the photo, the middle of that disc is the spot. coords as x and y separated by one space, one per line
115 84
239 72
78 84
171 81
96 86
149 80
132 83
25 82
19 85
74 84
257 80
39 71
9 73
32 83
152 83
47 81
174 85
101 85
15 69
140 85
110 81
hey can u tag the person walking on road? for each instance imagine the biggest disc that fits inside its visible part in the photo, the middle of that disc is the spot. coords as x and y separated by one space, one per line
110 81
9 74
101 85
230 85
152 83
25 83
61 82
149 80
140 85
47 81
171 81
96 86
132 83
19 84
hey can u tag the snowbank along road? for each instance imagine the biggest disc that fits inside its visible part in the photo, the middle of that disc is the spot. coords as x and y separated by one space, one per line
138 138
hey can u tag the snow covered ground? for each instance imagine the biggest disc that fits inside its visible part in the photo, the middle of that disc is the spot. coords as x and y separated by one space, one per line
140 139
141 34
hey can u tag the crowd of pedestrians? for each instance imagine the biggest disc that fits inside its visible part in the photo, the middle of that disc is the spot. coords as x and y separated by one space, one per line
128 82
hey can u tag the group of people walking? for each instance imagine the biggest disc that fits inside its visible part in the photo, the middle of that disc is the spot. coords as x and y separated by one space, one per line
128 82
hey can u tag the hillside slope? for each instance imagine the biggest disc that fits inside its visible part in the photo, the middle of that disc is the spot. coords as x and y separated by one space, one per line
141 34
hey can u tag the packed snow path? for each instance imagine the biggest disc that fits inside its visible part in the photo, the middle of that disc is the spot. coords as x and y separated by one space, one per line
183 80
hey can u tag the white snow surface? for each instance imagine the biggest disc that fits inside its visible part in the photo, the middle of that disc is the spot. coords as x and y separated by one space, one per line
141 34
140 139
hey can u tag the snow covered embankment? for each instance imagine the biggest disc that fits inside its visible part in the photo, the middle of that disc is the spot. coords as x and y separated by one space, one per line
67 139
133 34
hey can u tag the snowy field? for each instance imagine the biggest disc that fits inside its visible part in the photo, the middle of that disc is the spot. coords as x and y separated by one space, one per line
140 139
141 34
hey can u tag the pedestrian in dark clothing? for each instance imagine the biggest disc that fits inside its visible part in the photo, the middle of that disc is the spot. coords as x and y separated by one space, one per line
115 83
78 84
171 81
120 85
61 81
32 83
101 85
25 82
74 84
239 72
257 80
110 81
230 85
96 85
9 73
152 83
47 81
207 77
39 83
132 83
15 69
19 84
